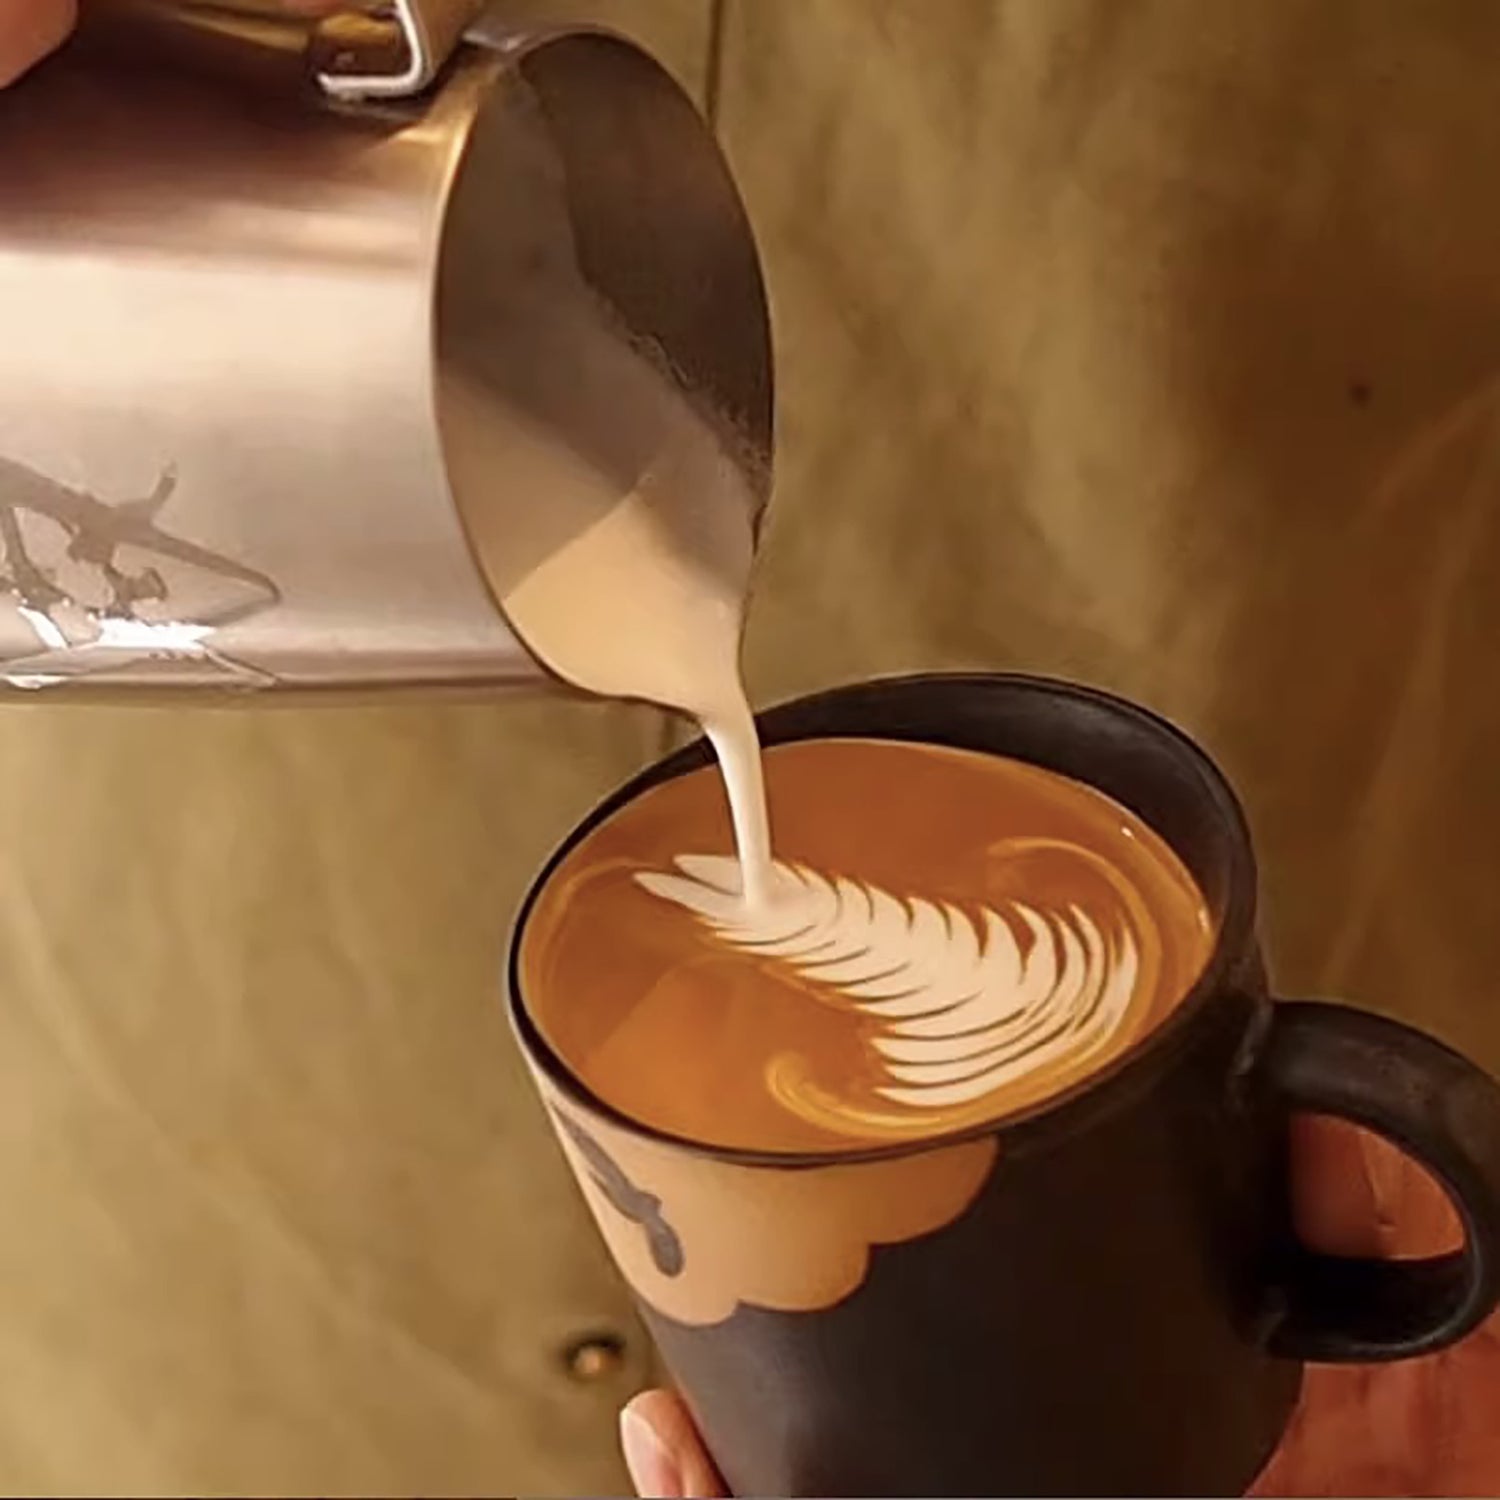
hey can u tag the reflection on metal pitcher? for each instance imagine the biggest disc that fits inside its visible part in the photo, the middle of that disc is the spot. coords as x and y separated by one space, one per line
102 586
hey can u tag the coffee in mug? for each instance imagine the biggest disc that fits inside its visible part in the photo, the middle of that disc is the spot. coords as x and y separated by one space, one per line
958 1163
948 937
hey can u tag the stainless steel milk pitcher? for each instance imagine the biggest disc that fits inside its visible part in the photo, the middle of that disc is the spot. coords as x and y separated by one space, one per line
243 261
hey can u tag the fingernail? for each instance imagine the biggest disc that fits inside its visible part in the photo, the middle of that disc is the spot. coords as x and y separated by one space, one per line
652 1468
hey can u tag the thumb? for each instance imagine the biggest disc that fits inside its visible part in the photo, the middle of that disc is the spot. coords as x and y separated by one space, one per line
665 1455
29 30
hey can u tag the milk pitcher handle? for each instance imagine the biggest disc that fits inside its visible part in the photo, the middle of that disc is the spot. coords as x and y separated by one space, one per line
357 53
427 32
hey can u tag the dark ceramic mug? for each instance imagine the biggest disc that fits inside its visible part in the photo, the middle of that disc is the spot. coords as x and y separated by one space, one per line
1101 1294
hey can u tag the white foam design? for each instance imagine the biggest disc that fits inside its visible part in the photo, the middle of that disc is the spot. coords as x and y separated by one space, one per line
968 1003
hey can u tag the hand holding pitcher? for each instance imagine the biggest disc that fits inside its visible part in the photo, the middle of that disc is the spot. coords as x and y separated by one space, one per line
29 30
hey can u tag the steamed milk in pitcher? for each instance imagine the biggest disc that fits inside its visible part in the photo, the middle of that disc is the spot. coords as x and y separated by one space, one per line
629 505
645 596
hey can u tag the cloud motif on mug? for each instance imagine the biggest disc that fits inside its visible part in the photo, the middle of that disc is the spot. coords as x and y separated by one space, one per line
788 1238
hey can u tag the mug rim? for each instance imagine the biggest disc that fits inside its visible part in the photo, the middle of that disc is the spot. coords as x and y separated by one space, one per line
1233 934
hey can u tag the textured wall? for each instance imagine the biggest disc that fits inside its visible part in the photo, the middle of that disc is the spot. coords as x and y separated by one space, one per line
1148 341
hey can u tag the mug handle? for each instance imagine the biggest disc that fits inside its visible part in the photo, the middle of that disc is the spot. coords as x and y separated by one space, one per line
1444 1112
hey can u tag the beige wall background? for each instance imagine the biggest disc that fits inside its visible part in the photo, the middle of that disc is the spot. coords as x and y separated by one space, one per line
1153 342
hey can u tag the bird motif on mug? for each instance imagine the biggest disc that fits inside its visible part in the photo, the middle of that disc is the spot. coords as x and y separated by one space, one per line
633 1203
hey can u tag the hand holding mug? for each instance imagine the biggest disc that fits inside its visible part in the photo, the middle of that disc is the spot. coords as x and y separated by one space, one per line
1422 1427
1109 1288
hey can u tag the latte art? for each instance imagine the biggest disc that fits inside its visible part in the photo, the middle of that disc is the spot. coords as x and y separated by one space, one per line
965 1003
942 939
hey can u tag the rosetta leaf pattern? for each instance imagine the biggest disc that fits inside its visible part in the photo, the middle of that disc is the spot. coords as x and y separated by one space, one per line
964 1002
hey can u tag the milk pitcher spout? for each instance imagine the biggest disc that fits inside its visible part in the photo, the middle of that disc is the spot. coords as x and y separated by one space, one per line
318 343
